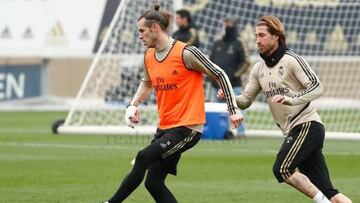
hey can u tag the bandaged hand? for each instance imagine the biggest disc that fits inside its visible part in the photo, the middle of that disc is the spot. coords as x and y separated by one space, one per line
132 115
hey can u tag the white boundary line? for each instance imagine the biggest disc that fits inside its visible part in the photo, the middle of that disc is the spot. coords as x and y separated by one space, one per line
102 147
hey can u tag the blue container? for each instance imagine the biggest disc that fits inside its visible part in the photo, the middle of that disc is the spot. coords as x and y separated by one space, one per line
217 124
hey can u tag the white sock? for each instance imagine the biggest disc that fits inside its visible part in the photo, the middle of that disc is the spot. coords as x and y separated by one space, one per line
320 198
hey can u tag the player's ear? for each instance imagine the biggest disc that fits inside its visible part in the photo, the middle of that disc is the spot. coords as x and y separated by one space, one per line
155 27
276 37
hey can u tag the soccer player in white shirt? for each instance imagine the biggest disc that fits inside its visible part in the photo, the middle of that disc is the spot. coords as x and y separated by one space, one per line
289 86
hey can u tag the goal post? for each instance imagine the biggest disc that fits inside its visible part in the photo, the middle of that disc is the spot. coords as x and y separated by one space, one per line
113 78
326 33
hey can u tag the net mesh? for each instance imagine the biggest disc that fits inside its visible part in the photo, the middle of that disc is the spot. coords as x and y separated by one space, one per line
325 32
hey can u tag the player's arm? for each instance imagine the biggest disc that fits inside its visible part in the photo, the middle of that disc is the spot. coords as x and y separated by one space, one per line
313 88
143 91
252 89
132 115
195 60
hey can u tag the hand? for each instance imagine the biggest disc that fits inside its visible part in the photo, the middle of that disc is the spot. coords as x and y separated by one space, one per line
220 94
132 116
236 120
278 99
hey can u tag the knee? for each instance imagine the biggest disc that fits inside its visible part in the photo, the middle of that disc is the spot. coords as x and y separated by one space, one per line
340 198
141 158
152 185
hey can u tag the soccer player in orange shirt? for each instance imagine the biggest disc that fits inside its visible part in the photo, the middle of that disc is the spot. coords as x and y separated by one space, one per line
175 71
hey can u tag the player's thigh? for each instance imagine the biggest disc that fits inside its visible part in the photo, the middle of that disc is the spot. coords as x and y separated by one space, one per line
314 164
180 139
173 143
301 142
159 145
315 168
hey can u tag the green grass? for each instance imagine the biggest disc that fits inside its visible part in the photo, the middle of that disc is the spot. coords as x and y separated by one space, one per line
37 166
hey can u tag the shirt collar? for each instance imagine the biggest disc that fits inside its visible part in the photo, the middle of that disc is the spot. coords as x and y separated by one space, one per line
275 57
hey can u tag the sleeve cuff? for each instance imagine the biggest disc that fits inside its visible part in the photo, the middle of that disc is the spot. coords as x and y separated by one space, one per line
288 100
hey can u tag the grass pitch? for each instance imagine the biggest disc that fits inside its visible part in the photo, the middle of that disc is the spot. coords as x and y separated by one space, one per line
37 166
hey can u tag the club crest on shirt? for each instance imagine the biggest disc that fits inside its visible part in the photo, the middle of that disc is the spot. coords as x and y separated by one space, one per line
281 71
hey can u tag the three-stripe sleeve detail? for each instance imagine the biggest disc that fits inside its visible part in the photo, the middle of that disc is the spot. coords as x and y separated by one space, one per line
309 73
208 64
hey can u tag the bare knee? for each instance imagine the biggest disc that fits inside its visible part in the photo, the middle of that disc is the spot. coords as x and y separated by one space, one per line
296 178
302 183
340 198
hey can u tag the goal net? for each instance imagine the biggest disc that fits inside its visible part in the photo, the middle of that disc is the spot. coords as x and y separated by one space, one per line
325 32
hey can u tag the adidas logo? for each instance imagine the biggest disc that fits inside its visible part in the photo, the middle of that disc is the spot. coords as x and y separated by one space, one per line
84 34
57 30
289 139
174 72
28 34
56 35
5 33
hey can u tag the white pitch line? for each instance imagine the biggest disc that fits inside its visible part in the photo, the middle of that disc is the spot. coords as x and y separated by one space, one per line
104 147
78 146
69 146
33 131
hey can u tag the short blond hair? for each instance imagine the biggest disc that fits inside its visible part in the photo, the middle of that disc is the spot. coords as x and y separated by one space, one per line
275 27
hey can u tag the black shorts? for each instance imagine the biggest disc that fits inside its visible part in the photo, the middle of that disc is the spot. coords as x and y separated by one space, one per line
167 146
302 150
